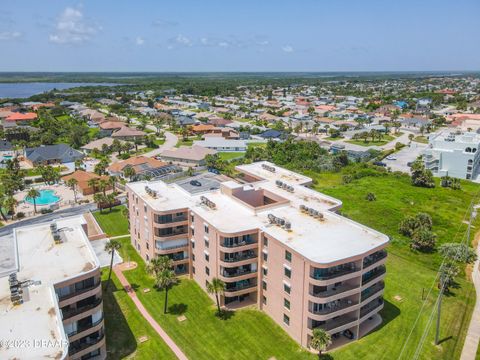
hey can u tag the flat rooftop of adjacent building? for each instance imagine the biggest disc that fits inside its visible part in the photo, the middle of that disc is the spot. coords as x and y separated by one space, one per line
44 263
323 241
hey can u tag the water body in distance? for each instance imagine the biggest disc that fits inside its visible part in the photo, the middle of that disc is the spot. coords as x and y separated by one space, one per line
25 90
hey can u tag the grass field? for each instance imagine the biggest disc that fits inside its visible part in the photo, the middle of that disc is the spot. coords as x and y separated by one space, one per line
250 334
421 139
125 326
188 142
385 140
230 155
113 223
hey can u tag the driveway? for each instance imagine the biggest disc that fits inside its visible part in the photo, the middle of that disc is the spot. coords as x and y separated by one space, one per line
170 142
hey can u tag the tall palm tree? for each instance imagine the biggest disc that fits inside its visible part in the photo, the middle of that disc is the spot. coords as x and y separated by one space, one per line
129 172
33 194
164 280
216 287
72 184
158 264
10 204
102 185
111 246
93 183
100 200
320 341
112 181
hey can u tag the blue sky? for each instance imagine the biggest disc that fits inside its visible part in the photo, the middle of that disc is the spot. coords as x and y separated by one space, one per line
261 35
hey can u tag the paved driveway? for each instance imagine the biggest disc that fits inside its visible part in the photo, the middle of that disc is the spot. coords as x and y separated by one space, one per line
170 142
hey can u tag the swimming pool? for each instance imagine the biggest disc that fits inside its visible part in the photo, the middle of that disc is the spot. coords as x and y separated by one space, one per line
46 197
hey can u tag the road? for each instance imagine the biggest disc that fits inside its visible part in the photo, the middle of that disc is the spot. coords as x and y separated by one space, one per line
170 142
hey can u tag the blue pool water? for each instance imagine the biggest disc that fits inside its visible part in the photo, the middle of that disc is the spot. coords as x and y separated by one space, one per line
47 197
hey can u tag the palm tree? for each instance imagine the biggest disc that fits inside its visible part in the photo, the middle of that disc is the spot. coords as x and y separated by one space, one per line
111 246
93 183
78 164
216 287
72 184
164 280
2 206
320 341
102 185
100 200
129 172
112 181
10 204
158 264
33 194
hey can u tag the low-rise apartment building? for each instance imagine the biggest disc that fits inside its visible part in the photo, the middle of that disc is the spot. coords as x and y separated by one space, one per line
453 154
51 298
275 243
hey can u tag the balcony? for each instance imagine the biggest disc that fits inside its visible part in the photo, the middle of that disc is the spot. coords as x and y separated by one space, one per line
86 342
169 232
336 323
373 258
85 306
168 246
372 290
333 291
373 274
85 325
240 256
238 241
371 306
332 307
170 218
178 256
239 286
239 272
74 293
331 273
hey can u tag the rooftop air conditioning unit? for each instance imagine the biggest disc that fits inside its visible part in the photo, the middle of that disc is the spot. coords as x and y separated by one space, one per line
288 225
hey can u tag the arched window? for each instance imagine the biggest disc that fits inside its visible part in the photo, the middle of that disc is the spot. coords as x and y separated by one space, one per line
470 162
474 150
468 150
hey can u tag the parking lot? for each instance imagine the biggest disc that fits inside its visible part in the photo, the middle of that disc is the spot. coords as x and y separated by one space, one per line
404 156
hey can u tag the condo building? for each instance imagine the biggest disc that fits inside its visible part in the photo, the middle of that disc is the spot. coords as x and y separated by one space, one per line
274 241
453 154
51 295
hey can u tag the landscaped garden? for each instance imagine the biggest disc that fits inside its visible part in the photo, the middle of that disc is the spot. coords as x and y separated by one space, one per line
385 139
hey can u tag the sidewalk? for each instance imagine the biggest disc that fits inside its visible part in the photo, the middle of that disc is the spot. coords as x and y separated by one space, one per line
176 350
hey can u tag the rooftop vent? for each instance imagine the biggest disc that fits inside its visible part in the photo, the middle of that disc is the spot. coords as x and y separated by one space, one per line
311 211
16 292
279 183
268 168
150 191
208 203
275 220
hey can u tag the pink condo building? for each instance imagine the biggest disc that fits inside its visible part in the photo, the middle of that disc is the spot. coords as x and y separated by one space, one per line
275 243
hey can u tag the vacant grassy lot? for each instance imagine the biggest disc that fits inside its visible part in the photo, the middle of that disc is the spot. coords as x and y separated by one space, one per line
421 139
125 326
113 223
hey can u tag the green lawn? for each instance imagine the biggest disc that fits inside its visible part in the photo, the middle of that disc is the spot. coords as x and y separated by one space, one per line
124 326
254 144
230 155
181 142
385 140
421 139
159 142
250 334
113 223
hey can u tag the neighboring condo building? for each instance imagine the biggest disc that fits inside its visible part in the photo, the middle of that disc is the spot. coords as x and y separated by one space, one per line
51 298
453 154
274 242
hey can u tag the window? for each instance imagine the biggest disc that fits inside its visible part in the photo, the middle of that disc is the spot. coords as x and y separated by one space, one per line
286 319
287 288
265 271
286 303
207 270
193 244
193 269
264 285
265 257
147 257
265 241
192 219
193 232
147 246
287 272
288 256
145 208
207 257
264 299
180 214
205 228
207 244
193 257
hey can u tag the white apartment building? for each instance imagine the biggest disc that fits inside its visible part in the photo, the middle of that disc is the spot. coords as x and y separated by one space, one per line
453 154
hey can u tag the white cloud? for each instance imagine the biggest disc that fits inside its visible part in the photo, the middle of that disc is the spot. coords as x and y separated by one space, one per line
10 35
72 28
164 23
183 40
139 41
287 49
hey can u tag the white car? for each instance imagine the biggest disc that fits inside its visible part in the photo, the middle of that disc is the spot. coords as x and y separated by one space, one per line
391 157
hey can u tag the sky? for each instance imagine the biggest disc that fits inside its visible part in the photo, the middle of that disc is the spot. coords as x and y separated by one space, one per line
245 35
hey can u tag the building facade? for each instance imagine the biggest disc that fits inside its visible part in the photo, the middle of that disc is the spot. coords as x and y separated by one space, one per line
453 154
274 242
53 296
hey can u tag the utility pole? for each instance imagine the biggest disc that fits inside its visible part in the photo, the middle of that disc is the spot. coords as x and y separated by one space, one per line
439 309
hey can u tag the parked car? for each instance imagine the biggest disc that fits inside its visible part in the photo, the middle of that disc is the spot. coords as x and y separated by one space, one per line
379 163
391 157
195 183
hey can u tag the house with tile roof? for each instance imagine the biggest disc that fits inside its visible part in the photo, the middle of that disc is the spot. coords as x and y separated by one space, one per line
83 178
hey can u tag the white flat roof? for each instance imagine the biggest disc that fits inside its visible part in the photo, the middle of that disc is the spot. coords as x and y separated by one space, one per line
332 239
37 322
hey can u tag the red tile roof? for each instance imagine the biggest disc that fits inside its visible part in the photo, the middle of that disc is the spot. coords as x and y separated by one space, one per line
22 117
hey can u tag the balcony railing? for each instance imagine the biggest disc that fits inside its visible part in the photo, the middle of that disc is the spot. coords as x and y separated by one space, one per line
175 232
333 291
68 313
84 327
370 307
242 286
369 276
335 323
79 345
372 290
170 247
328 274
239 243
171 220
238 273
179 257
241 257
373 258
79 292
334 306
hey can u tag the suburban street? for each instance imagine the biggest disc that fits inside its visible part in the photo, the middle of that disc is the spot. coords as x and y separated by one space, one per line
170 142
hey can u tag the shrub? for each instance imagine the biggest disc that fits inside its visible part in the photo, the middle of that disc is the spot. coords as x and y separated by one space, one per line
412 224
371 197
28 181
423 240
458 252
347 179
20 215
125 156
420 176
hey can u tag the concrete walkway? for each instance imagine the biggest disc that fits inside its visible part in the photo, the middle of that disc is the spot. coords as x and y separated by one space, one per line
470 346
176 350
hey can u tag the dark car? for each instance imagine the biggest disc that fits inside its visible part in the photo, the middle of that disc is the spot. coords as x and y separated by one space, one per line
379 163
195 183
